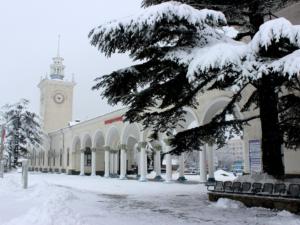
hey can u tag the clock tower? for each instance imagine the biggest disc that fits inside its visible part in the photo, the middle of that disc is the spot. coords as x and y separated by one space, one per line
56 97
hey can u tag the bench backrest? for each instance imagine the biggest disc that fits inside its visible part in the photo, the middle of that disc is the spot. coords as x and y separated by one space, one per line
227 186
246 186
280 188
219 186
268 188
256 187
236 186
294 190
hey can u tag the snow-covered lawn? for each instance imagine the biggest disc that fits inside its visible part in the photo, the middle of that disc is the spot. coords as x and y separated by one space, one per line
54 199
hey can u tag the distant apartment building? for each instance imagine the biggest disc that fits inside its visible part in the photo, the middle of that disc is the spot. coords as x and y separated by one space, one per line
232 152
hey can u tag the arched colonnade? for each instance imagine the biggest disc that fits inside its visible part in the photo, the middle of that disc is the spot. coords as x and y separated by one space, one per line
118 148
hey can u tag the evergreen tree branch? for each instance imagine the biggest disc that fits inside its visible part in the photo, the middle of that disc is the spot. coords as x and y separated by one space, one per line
213 132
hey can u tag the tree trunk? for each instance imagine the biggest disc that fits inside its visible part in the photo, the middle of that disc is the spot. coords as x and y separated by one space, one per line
272 157
256 17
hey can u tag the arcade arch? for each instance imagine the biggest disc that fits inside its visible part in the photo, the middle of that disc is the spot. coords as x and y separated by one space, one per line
75 154
209 111
98 153
131 136
112 143
86 155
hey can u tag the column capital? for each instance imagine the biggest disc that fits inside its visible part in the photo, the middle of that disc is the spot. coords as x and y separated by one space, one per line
94 149
142 144
123 147
106 148
82 150
114 151
157 148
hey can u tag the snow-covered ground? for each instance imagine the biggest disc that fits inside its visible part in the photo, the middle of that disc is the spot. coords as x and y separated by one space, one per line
54 199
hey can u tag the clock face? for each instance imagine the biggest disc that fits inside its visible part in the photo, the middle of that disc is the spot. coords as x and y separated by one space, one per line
59 98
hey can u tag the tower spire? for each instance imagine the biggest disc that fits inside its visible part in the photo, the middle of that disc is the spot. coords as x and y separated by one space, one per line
58 46
57 67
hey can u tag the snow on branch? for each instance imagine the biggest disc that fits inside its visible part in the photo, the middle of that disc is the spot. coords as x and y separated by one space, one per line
247 58
165 11
275 30
287 66
111 36
217 56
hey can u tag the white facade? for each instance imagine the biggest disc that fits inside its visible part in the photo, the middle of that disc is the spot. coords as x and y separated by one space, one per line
108 146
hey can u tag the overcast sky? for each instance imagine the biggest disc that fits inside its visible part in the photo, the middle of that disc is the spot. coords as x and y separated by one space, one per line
28 41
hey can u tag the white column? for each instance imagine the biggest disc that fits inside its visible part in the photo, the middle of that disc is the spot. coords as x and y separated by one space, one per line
157 163
168 168
82 162
123 162
143 162
168 160
111 163
25 173
106 161
116 162
93 162
202 166
139 163
211 170
181 176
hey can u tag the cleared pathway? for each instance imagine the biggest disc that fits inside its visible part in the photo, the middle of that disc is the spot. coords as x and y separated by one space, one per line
74 200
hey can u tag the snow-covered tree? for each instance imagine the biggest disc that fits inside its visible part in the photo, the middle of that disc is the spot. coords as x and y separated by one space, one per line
23 130
158 82
183 52
248 16
270 64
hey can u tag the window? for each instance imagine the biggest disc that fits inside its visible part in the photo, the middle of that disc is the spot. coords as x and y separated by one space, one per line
61 157
53 157
49 159
68 157
88 157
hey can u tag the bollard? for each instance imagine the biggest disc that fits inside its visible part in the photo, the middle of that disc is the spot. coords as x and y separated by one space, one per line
25 173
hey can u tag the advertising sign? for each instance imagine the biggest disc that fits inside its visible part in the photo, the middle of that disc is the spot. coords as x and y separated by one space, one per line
255 156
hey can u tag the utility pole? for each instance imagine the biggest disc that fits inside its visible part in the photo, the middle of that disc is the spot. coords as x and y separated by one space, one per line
2 152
